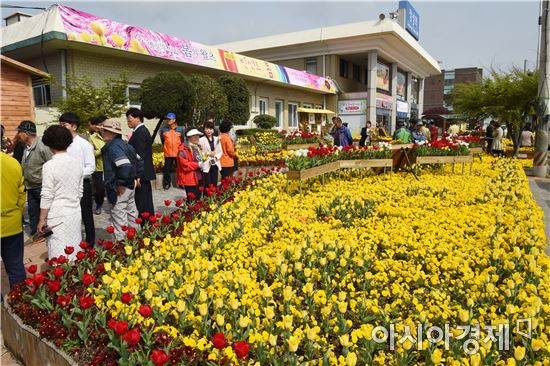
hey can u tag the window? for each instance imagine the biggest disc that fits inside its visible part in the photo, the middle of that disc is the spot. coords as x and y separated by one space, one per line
133 94
311 65
41 94
263 105
279 113
292 115
356 73
344 68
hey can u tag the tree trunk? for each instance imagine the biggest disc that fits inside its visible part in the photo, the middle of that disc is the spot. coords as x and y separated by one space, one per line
157 127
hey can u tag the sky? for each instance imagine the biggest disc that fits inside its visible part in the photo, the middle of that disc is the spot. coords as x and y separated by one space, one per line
494 34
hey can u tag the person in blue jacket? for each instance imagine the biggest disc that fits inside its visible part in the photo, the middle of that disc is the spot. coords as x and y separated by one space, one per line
340 133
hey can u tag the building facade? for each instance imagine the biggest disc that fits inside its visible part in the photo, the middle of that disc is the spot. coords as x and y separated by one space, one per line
438 86
378 66
67 42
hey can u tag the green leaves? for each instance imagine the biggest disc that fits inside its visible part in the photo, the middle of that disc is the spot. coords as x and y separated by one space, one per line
88 100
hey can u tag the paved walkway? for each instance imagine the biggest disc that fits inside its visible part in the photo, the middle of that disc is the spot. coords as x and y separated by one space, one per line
38 253
541 192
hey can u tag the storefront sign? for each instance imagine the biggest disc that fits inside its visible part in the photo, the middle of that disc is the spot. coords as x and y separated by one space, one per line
383 76
352 106
401 84
412 19
402 107
83 27
383 101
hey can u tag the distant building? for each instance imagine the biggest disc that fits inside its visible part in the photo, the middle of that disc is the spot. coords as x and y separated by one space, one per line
436 87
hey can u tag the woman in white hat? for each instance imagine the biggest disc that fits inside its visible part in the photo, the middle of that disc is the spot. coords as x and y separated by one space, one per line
188 171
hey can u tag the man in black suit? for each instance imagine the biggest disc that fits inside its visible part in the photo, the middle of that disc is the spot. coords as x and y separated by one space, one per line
143 144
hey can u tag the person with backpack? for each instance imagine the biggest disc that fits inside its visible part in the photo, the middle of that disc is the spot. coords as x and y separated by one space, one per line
121 168
402 133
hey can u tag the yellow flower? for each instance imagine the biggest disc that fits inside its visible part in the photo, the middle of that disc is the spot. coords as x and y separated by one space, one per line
436 356
293 343
464 315
351 359
519 353
128 249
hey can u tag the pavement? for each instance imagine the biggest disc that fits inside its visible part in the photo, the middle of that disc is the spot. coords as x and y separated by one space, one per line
38 253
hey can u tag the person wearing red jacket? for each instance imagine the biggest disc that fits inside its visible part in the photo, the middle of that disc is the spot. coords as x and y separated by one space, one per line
188 165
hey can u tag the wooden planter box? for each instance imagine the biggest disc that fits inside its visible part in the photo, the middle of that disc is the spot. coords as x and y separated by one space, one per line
301 146
399 146
312 172
443 159
26 345
366 163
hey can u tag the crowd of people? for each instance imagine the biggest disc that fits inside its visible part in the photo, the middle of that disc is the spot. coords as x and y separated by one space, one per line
63 173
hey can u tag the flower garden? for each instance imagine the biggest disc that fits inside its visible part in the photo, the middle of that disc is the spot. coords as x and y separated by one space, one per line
257 274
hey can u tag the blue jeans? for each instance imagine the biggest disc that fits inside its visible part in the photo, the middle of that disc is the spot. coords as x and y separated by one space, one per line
33 200
12 255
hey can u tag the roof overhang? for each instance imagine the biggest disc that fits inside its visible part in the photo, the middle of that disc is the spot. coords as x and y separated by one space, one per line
314 110
23 67
66 28
389 39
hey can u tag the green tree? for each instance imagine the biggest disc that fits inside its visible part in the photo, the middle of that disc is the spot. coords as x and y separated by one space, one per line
509 97
208 100
167 91
238 98
88 100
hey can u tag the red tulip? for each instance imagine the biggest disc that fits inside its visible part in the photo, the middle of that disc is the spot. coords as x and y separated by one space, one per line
63 300
124 228
219 341
84 245
120 327
69 250
39 279
54 286
126 297
159 357
167 202
108 244
179 203
32 268
145 215
139 221
88 279
110 229
131 233
241 349
80 255
145 310
86 301
132 337
58 271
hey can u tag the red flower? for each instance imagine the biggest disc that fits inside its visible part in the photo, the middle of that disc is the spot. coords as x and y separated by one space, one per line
54 285
153 219
84 245
91 251
131 233
179 203
63 300
124 228
139 221
62 259
32 268
159 357
58 271
241 349
175 216
80 255
108 244
219 341
39 279
29 281
120 327
166 219
145 310
191 196
86 301
126 297
110 229
201 188
167 202
69 250
111 323
88 279
145 215
158 215
132 337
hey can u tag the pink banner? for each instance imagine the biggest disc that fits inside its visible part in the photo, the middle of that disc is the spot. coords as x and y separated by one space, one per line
87 28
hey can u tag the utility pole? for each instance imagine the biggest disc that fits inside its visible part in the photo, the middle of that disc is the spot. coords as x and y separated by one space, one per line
543 111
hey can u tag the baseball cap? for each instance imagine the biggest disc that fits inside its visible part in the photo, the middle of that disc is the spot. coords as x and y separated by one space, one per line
28 127
194 132
170 116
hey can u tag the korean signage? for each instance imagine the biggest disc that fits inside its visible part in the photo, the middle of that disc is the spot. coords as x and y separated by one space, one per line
383 77
83 27
412 19
352 106
383 101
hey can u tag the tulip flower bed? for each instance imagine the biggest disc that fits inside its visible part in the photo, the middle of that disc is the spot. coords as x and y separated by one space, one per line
442 147
271 278
299 137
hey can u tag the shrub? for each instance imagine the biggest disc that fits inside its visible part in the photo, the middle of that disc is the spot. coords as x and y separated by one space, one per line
265 121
